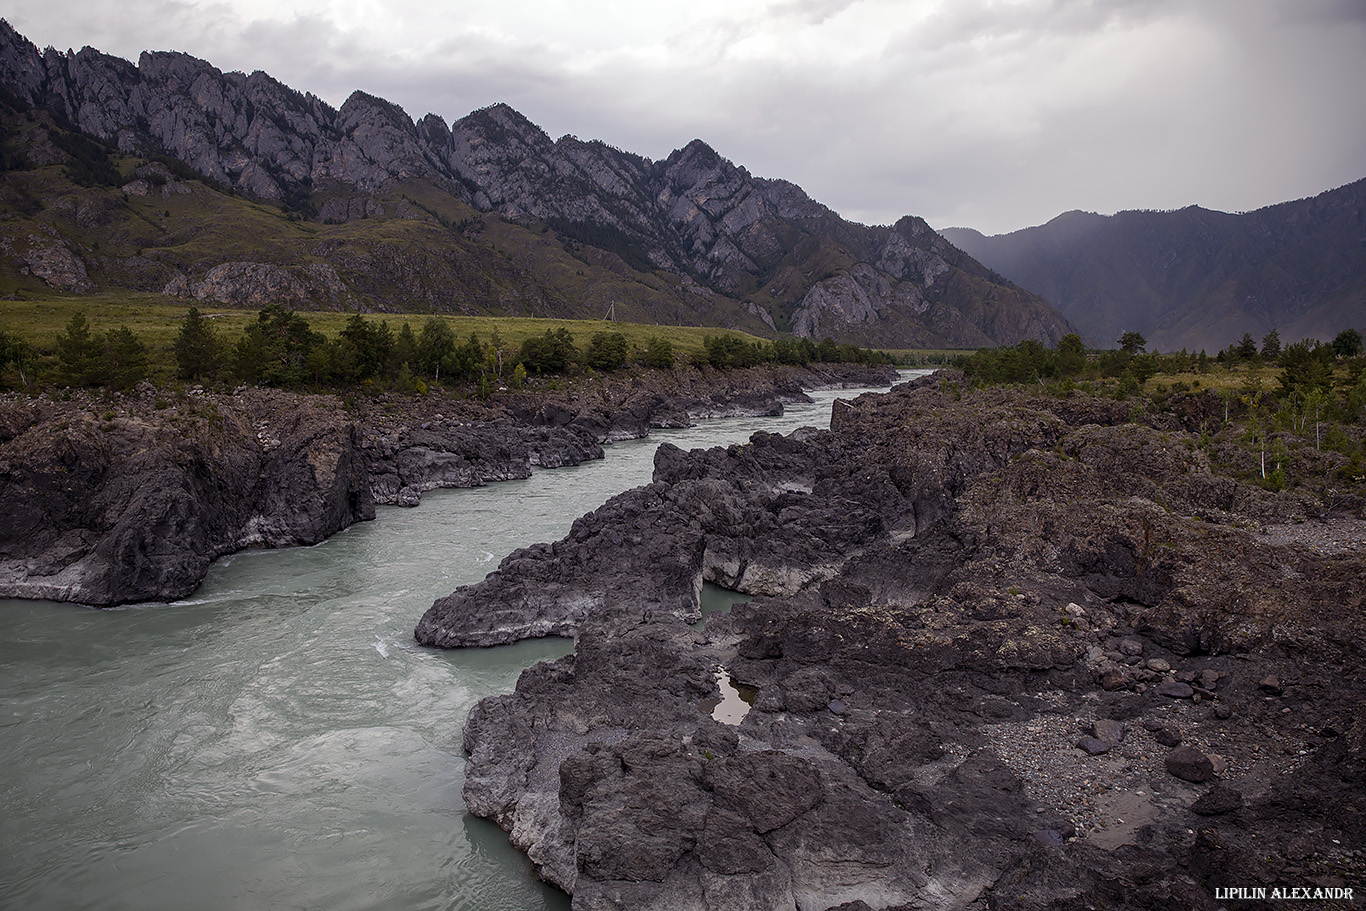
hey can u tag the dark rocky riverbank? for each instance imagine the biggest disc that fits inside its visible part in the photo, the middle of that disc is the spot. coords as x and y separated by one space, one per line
109 501
1009 652
112 499
418 444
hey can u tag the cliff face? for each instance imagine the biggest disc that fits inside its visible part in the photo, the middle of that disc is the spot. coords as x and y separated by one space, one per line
736 249
1194 278
112 502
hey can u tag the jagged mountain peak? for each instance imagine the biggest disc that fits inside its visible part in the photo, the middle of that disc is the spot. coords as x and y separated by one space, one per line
915 228
733 248
696 149
697 157
500 134
502 116
362 105
174 67
22 70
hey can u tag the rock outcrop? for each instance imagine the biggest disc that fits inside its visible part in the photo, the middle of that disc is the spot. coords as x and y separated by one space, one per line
423 445
765 256
50 259
984 621
131 500
258 284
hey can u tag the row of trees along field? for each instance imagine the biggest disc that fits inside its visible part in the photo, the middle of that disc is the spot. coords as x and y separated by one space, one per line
1305 363
281 349
1273 402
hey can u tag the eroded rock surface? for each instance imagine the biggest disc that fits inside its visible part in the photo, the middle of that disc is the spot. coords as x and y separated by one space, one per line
256 284
416 445
106 500
955 592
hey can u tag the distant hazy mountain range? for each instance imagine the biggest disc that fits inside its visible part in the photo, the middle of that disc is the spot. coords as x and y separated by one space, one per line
1195 278
223 186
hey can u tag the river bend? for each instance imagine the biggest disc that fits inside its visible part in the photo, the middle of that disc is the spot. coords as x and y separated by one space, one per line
278 740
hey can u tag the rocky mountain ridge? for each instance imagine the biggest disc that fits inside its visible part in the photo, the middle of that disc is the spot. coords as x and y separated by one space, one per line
1195 278
776 259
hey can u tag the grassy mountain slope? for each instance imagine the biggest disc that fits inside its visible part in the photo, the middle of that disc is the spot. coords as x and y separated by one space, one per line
362 207
418 249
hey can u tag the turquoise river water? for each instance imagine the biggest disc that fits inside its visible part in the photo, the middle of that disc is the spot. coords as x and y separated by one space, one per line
278 740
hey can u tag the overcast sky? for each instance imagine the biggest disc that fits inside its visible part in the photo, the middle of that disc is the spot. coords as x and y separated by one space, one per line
993 114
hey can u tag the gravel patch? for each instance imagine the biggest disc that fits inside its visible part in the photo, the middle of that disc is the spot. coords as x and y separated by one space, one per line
1108 797
1329 538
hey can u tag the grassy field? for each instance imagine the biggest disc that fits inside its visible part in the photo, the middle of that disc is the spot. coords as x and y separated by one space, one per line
156 320
1221 378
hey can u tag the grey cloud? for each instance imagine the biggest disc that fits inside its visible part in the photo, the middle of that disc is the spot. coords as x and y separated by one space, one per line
811 12
1253 103
976 22
1326 12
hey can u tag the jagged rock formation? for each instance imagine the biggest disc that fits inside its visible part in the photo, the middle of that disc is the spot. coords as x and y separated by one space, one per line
1194 278
50 259
978 640
104 502
712 242
467 445
109 503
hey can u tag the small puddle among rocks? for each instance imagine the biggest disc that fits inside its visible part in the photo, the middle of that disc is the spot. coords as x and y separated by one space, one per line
715 599
735 701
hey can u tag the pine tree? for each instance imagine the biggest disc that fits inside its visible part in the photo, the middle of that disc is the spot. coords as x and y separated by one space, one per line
125 358
1347 343
405 347
1271 346
1071 354
659 353
197 348
78 351
606 351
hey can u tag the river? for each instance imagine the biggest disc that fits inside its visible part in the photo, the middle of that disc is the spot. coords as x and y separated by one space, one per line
278 740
